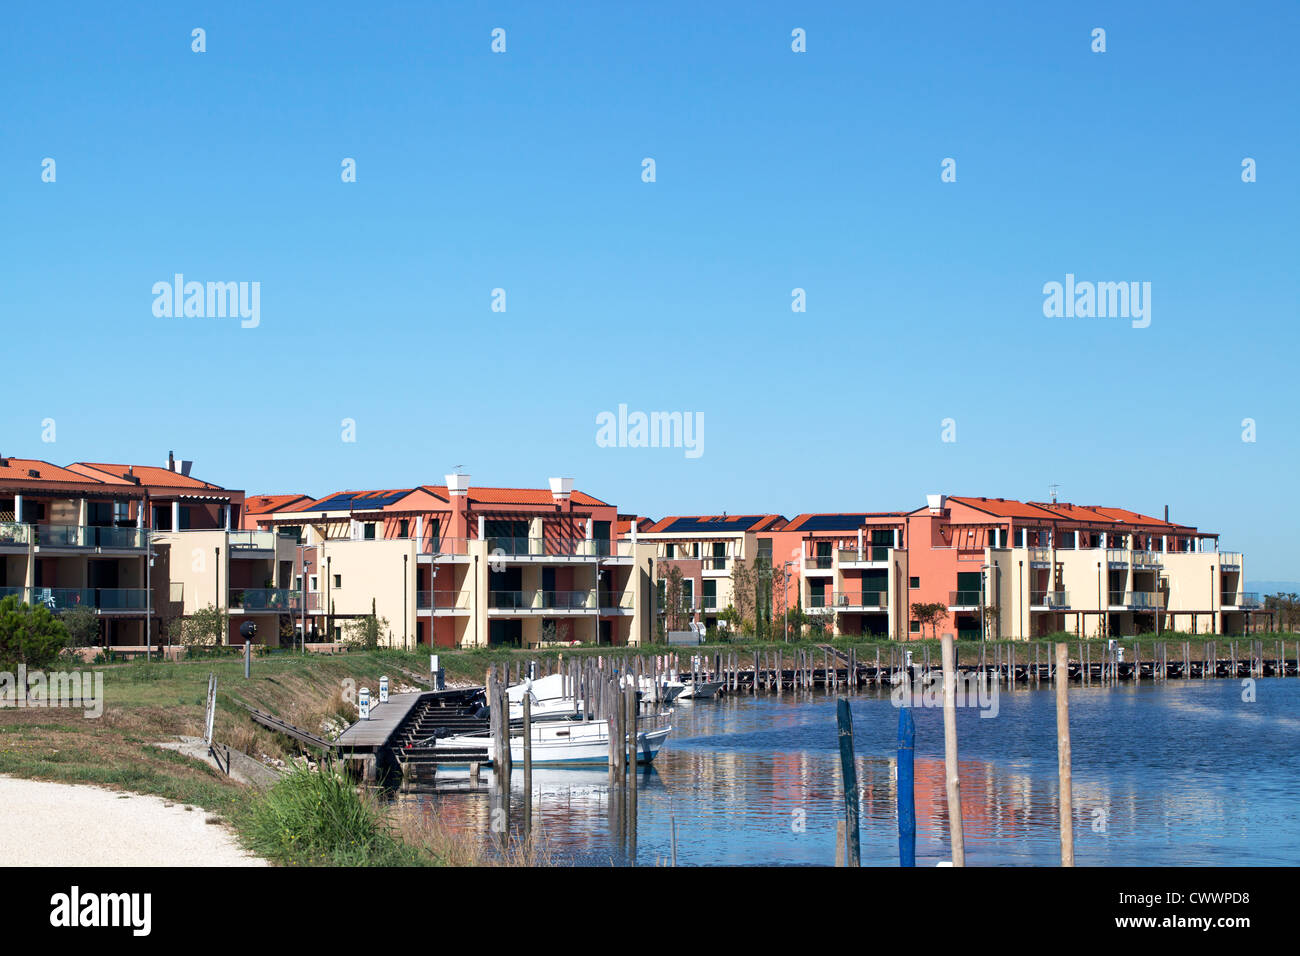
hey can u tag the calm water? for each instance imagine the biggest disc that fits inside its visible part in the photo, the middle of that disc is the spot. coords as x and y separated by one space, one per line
1183 773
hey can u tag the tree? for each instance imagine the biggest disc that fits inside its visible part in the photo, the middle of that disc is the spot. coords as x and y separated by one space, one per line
991 615
365 631
83 625
746 579
206 627
29 635
929 615
676 614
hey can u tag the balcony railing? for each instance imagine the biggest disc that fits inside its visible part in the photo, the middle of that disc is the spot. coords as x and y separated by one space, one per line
548 547
442 600
264 599
1040 555
1052 599
715 562
869 552
11 532
1147 559
818 562
1246 599
840 600
77 536
1117 556
1137 600
964 598
1232 558
252 540
102 599
539 600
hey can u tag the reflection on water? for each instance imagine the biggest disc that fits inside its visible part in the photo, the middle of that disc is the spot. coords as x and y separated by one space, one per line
1181 773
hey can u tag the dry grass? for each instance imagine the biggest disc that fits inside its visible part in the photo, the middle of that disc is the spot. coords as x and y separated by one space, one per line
420 826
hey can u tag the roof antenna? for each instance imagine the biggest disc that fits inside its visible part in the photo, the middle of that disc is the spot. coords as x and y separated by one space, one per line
1051 490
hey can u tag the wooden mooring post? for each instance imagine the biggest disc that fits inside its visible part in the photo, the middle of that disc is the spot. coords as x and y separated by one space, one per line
906 788
956 837
1063 756
849 778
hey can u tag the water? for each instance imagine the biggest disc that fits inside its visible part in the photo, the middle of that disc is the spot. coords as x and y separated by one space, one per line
1184 773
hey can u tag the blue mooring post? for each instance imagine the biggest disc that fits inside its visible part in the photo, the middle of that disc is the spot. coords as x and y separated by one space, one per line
849 774
906 788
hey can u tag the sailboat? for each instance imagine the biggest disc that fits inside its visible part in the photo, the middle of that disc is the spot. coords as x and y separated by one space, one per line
567 742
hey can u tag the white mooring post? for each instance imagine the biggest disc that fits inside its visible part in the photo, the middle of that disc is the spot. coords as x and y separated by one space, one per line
383 689
363 703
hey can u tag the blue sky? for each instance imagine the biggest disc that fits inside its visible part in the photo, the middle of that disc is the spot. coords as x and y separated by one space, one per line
775 170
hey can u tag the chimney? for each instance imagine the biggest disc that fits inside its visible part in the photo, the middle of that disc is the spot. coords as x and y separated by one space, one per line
1166 514
171 461
936 503
561 488
458 484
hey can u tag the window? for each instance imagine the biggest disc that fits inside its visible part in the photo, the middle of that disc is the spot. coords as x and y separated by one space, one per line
817 592
404 528
688 593
710 594
297 582
765 548
292 531
338 580
314 583
669 550
913 582
369 531
914 626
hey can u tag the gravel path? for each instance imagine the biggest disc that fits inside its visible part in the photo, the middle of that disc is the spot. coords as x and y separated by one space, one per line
62 824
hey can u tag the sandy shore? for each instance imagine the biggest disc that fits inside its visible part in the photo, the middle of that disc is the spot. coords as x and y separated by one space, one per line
60 824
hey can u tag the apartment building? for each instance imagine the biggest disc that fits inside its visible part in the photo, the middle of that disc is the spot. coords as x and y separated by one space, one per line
846 570
454 565
1005 568
706 549
80 536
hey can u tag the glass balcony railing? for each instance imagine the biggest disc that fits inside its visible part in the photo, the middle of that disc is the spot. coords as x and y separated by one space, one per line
442 600
964 598
1117 556
1040 555
715 562
539 600
1137 600
1051 599
11 532
818 562
869 552
102 599
557 547
262 599
76 536
252 541
1147 559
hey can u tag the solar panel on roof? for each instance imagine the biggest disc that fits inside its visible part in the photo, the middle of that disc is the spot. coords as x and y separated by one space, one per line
686 525
833 523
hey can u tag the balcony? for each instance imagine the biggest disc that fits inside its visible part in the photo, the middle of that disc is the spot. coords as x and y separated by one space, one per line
244 542
264 599
964 599
1049 600
1040 557
1247 600
849 601
818 562
539 600
57 536
1229 559
870 554
442 601
1136 600
715 566
540 549
104 600
1117 557
1147 560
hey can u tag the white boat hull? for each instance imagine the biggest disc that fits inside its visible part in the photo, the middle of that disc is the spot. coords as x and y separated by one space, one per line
565 742
704 690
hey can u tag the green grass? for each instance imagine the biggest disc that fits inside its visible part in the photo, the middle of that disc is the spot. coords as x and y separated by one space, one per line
319 819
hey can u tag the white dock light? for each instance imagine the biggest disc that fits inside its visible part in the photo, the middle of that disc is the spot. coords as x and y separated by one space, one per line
383 689
363 703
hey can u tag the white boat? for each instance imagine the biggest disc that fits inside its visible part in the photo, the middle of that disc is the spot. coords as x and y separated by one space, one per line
548 699
703 690
669 689
567 742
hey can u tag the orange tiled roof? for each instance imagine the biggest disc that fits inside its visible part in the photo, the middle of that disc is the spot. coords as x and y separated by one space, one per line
1004 507
151 475
13 469
851 520
266 504
389 499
